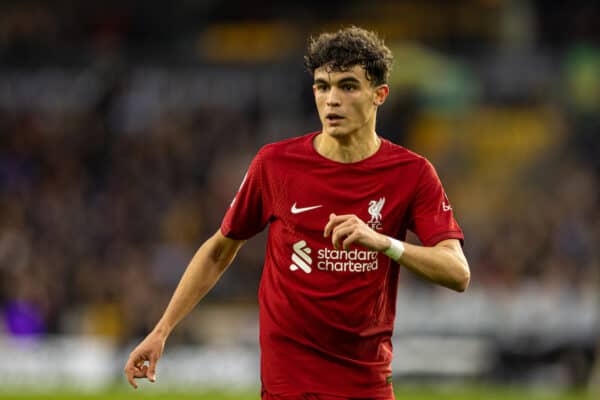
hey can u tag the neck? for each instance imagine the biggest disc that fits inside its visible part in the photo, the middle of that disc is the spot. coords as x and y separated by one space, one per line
347 149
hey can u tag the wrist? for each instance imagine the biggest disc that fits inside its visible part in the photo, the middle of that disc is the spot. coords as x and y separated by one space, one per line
162 331
395 250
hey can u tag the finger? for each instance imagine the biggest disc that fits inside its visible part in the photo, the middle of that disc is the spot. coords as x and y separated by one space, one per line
329 226
341 232
138 359
129 373
350 239
335 220
152 369
140 372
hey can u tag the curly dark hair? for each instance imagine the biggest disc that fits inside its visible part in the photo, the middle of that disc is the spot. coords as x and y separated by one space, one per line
342 50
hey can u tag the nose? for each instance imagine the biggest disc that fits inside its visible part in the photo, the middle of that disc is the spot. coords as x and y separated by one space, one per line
333 97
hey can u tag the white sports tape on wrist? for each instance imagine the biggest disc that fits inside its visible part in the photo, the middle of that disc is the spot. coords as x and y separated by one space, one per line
395 250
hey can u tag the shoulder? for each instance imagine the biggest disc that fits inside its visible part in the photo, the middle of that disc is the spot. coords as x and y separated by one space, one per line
413 165
400 154
285 148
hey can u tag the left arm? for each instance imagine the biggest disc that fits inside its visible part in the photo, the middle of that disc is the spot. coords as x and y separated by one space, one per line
444 263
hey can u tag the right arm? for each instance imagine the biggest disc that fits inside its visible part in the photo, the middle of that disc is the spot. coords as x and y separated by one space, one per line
203 271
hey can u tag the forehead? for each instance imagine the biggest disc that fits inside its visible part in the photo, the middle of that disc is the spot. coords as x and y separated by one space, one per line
327 74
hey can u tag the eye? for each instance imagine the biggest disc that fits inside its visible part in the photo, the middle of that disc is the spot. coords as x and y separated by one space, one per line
349 87
321 87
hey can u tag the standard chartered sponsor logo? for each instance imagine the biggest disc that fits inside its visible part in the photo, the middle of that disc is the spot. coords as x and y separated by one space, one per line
301 257
332 260
347 260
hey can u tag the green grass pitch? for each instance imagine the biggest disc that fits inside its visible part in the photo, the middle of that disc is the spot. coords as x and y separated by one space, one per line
453 393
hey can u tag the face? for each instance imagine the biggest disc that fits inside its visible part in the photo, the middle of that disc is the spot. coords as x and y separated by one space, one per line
347 101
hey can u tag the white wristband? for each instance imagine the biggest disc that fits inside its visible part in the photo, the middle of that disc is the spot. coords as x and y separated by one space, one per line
395 250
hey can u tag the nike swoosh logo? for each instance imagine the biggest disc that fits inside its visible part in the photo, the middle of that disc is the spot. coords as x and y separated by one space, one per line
295 210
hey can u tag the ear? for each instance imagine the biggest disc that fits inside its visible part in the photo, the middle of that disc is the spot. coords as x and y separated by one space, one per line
381 93
314 90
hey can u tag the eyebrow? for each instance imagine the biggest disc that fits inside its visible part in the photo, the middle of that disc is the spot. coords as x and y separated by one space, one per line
349 79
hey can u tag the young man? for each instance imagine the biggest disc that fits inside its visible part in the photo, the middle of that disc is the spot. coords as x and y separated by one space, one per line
338 203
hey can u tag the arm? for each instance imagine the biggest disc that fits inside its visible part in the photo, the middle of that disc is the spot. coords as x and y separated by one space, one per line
444 263
203 271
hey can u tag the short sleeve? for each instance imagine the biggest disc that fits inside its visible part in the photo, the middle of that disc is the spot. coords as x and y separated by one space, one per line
431 215
250 209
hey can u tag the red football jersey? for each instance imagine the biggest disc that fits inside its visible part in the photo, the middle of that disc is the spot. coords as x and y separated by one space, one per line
326 315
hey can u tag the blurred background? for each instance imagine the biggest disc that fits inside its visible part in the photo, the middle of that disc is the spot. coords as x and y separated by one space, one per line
126 127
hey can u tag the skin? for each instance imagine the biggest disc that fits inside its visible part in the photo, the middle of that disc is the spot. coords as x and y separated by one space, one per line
203 271
351 138
350 95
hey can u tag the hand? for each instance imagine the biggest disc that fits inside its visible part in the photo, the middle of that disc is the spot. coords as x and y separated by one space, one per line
149 350
352 230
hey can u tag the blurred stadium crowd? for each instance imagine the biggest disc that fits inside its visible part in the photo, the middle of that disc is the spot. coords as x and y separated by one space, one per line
125 129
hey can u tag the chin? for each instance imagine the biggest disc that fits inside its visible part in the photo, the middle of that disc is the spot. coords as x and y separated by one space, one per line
336 132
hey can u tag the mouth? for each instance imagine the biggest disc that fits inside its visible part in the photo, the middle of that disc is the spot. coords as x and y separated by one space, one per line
332 117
